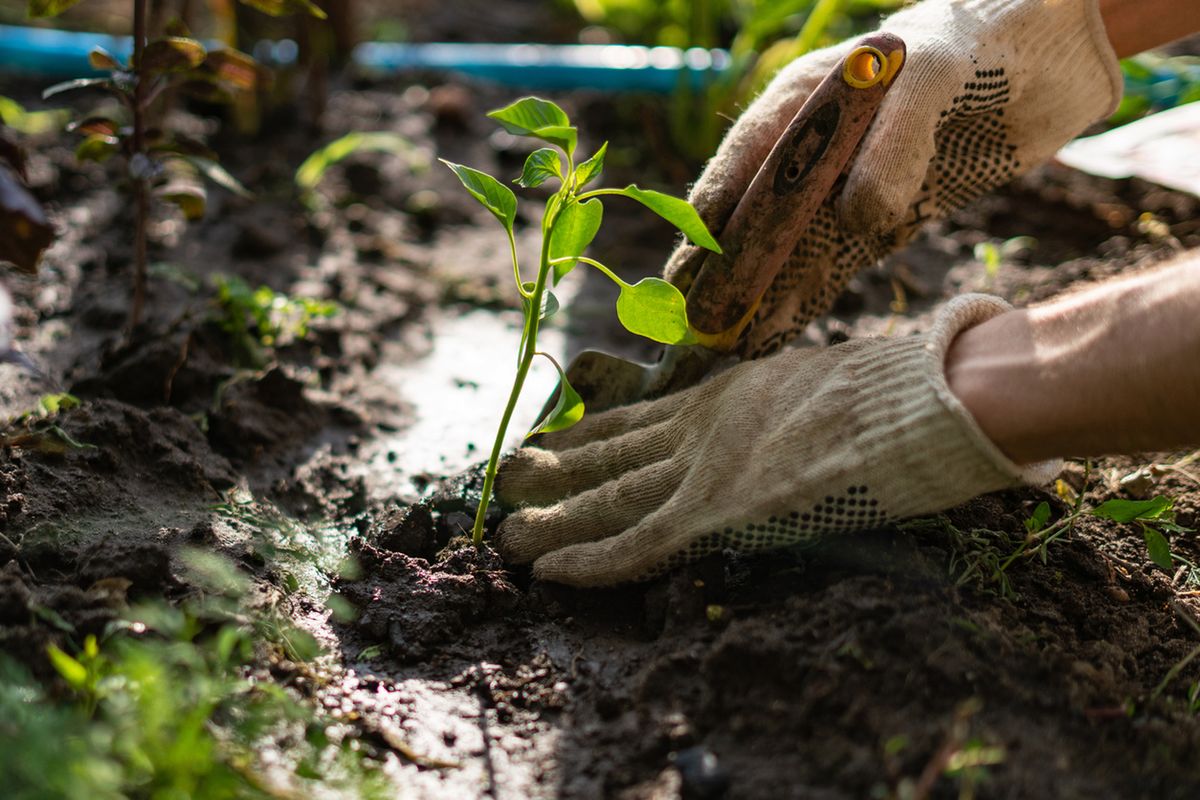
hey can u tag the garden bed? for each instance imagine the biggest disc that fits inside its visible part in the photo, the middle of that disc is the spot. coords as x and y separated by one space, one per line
895 663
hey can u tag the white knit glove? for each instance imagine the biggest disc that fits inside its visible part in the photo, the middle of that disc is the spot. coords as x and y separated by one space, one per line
990 88
807 443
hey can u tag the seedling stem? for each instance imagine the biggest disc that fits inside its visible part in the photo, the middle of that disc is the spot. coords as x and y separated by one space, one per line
651 308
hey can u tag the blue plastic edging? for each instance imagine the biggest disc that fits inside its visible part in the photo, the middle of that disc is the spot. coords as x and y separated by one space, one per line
624 68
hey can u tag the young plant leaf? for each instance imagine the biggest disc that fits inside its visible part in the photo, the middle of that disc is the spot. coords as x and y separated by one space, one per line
541 119
589 170
237 69
676 211
1038 519
568 407
25 232
541 165
184 188
550 305
74 673
1157 547
279 8
104 61
191 199
573 231
72 85
94 125
33 123
173 54
655 309
48 8
313 168
1130 510
218 175
493 195
549 302
96 147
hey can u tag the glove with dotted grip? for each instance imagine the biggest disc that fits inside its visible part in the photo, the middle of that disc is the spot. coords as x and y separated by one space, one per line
990 88
808 443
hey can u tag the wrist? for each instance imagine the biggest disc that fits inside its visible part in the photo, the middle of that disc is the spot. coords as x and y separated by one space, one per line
1133 26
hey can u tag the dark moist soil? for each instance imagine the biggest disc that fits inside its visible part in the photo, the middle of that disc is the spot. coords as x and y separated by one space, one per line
886 664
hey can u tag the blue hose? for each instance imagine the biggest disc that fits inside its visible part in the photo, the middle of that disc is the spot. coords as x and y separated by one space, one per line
64 54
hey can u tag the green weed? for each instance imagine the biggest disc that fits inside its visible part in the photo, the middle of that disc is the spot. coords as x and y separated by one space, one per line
173 703
36 429
258 319
312 170
652 307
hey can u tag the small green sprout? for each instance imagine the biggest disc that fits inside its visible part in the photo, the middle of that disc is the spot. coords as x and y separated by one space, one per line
651 307
1156 517
258 318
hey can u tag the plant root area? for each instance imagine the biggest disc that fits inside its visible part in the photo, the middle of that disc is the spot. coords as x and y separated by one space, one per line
896 663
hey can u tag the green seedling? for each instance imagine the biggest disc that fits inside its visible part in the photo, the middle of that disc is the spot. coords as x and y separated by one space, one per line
36 429
651 307
312 169
1156 518
159 162
258 319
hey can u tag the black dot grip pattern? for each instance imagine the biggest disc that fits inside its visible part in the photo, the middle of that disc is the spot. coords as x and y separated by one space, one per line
973 155
853 510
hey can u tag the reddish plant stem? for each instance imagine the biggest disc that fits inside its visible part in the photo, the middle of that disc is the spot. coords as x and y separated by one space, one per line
138 148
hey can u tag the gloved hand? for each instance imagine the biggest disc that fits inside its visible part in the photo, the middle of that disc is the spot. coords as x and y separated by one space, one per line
808 443
990 88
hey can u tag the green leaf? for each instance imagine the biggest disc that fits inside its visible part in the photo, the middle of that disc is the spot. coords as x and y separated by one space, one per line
313 169
192 200
655 309
493 195
1158 548
184 187
48 8
104 61
550 305
541 165
72 85
989 254
541 119
676 211
218 175
95 125
173 54
591 169
32 123
25 232
60 401
71 670
1037 520
568 408
1130 510
279 8
573 231
549 302
96 147
237 69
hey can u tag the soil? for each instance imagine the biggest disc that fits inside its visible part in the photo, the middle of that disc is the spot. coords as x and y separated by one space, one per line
875 665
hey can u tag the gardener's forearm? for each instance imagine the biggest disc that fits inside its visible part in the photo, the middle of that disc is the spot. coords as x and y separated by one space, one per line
1113 369
1137 25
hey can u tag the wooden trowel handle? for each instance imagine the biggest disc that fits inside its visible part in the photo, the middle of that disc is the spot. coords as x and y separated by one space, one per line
795 179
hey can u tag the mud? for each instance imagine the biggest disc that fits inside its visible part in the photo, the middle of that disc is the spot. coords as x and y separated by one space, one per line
888 664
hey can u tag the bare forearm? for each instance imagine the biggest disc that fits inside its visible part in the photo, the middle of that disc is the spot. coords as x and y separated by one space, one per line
1113 369
1137 25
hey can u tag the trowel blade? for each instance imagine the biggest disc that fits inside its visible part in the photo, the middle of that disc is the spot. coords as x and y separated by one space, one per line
605 381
